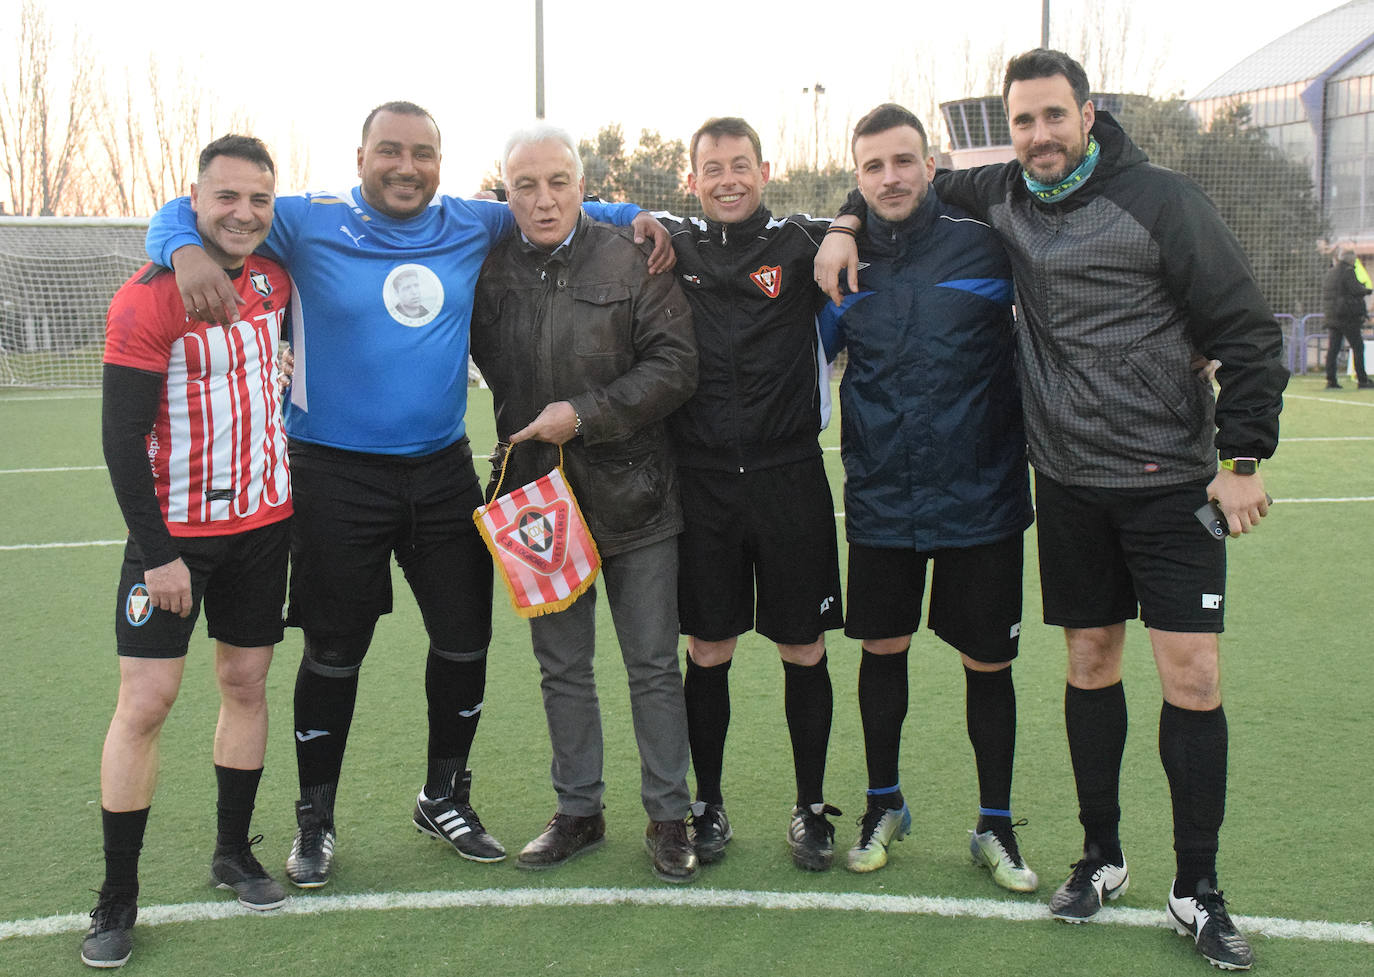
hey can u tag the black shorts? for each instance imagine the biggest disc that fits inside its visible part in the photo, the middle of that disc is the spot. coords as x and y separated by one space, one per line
240 577
1105 552
353 511
772 530
975 595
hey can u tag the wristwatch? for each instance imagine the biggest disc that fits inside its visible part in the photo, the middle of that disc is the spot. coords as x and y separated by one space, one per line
1241 466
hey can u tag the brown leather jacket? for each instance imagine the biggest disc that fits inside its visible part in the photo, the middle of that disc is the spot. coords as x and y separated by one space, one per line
588 324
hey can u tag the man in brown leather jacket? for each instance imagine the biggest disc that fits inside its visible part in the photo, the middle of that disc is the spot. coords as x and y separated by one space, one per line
583 348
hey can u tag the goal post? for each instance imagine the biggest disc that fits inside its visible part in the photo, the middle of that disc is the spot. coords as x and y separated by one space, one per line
57 276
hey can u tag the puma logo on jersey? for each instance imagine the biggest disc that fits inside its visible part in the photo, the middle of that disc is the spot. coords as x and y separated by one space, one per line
355 239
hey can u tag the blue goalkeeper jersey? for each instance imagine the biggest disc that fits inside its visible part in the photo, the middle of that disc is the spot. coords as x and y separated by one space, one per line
380 313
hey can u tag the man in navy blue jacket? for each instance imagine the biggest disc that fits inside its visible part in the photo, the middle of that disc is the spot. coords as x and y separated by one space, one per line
935 471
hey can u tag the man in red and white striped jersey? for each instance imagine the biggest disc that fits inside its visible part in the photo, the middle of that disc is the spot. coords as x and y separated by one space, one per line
191 427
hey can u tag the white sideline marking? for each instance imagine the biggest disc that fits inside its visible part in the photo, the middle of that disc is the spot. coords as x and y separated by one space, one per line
1329 400
95 395
71 468
63 546
1347 498
1016 912
838 515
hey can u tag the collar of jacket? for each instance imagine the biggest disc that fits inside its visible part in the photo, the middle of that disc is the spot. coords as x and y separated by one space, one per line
745 230
886 237
560 255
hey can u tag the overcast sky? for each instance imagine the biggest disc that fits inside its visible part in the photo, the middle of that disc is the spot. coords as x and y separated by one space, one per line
309 72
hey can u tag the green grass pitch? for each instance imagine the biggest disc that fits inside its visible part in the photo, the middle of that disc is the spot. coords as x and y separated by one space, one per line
1297 682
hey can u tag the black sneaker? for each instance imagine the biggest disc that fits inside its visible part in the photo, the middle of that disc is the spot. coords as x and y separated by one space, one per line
1092 881
811 837
710 831
1205 919
452 819
238 870
312 852
110 939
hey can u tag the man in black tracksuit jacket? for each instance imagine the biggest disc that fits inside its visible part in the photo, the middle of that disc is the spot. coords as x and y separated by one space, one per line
760 520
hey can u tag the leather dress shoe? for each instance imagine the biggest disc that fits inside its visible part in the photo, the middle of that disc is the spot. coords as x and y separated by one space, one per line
674 858
566 836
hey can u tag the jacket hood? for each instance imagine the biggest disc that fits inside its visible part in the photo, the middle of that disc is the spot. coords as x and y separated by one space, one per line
1118 151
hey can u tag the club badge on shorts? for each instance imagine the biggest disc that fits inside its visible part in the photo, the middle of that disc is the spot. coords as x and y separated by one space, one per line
138 605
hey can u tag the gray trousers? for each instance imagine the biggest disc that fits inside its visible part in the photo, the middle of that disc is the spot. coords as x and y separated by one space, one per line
642 588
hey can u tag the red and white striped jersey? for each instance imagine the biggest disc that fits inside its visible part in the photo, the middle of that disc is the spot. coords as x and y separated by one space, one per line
218 448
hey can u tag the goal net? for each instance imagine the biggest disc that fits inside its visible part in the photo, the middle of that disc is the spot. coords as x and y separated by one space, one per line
57 276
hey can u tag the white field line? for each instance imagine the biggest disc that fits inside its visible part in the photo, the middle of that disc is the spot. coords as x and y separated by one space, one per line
838 515
1017 912
63 546
972 908
1330 400
93 395
43 471
101 468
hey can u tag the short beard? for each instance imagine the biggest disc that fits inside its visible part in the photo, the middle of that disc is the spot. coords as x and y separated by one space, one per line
1073 163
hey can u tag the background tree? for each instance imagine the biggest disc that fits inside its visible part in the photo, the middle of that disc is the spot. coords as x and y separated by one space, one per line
43 129
651 176
807 191
1265 197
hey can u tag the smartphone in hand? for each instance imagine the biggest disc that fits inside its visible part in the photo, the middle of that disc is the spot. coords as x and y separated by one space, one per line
1214 520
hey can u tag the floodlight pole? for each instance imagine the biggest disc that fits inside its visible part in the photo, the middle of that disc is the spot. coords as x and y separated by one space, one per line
1045 23
539 58
816 91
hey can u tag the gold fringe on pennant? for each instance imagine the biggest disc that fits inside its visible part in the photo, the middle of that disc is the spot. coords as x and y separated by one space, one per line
551 607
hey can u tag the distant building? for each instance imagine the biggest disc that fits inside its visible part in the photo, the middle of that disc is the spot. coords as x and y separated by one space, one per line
1312 92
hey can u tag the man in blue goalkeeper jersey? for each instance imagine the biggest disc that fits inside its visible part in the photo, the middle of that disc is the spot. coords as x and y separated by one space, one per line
380 458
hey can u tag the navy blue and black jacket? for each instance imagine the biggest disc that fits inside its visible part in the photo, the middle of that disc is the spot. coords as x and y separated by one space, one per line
932 437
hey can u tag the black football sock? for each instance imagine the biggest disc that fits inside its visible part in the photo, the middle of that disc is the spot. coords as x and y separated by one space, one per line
237 792
990 708
1095 720
707 691
123 832
882 708
324 715
1193 747
454 691
809 703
